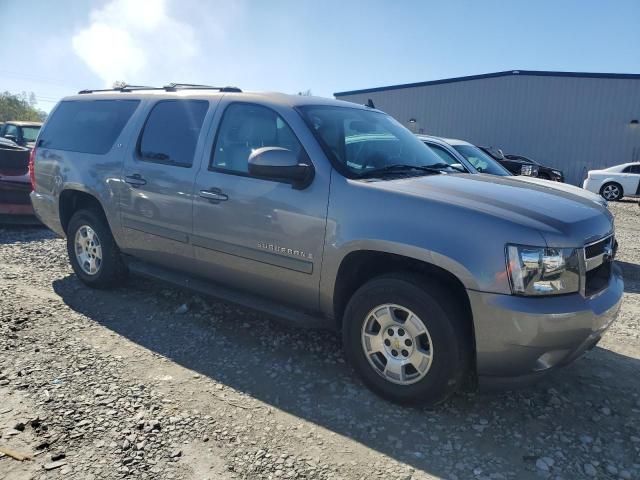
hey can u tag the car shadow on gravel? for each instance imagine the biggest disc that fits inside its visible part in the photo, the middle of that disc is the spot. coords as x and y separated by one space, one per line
302 372
14 233
631 273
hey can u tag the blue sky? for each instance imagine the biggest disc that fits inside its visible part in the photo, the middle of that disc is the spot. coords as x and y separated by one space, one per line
62 46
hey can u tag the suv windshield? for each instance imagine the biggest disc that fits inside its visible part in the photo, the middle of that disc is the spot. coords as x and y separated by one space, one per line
30 133
362 141
480 160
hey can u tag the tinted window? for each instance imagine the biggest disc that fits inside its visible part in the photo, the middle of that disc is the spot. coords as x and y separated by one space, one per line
480 160
87 126
443 154
171 132
247 127
11 130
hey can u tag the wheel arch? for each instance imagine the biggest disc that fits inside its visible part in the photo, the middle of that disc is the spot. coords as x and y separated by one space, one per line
71 200
359 266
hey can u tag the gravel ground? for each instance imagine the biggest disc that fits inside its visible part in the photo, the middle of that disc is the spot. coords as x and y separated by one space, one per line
150 382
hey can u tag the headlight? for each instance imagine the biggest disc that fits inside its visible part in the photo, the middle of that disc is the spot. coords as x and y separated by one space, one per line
543 271
529 170
557 172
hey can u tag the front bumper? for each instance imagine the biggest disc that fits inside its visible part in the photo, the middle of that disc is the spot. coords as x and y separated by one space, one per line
520 338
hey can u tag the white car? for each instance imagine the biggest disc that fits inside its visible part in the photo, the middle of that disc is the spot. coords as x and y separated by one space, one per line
613 183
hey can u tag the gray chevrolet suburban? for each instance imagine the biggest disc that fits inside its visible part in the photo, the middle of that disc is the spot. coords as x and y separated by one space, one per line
326 212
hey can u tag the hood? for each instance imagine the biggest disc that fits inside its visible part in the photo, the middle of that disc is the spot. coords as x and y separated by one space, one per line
565 187
564 218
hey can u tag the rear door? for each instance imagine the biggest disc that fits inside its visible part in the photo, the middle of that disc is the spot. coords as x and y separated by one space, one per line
156 201
630 180
255 234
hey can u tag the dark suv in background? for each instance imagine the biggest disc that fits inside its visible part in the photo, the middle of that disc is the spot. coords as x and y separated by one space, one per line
521 165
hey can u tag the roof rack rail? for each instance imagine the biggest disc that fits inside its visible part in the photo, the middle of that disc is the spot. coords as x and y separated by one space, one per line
172 87
124 88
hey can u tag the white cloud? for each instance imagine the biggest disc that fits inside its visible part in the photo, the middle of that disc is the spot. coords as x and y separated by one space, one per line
136 41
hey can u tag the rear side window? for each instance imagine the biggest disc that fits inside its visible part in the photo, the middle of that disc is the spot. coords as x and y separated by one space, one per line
171 132
90 126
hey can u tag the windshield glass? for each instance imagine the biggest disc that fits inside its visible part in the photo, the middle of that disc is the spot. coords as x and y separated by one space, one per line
30 133
480 160
360 141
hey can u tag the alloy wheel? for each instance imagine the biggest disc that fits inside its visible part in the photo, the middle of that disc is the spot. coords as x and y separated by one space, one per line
88 250
610 192
397 344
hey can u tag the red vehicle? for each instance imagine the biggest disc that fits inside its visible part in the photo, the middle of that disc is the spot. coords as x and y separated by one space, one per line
15 185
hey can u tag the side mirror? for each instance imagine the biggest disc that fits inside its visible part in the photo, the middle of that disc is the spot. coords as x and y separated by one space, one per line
280 164
13 138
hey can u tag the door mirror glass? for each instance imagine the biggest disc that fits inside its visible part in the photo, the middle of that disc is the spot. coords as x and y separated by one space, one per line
280 164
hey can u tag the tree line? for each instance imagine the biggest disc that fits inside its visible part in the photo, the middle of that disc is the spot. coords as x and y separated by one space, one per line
21 106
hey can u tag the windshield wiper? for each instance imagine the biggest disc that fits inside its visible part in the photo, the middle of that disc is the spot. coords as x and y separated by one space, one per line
402 168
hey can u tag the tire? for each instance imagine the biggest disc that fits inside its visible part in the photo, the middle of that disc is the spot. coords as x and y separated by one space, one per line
445 339
110 270
611 191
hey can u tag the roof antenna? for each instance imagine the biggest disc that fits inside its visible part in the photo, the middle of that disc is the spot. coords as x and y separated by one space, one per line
370 104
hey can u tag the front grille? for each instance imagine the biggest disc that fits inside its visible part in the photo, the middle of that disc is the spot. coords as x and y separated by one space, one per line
598 258
597 248
597 279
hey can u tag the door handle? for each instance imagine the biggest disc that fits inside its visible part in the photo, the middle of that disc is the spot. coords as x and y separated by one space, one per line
135 180
214 194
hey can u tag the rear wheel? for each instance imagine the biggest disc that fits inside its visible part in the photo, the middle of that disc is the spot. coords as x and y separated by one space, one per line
405 337
611 191
93 253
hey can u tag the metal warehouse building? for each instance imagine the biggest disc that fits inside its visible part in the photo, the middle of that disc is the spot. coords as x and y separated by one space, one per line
572 121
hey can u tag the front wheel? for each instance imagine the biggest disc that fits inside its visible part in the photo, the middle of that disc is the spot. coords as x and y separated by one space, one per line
93 253
404 336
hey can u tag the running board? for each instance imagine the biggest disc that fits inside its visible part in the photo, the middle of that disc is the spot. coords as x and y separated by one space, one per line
279 311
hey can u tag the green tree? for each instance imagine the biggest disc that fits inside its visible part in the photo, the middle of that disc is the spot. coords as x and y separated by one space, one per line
20 107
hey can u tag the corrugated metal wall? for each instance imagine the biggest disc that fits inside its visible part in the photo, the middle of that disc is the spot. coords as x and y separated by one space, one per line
572 123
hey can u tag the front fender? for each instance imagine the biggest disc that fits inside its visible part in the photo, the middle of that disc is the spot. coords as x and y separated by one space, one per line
332 263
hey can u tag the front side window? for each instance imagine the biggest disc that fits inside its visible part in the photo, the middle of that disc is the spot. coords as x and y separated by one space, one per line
244 128
480 160
443 154
87 126
361 142
171 132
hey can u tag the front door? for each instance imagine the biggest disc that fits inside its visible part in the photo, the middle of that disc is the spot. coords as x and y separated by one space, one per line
259 235
156 201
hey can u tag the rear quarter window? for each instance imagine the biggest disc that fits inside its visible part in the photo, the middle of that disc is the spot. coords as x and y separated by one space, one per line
87 126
